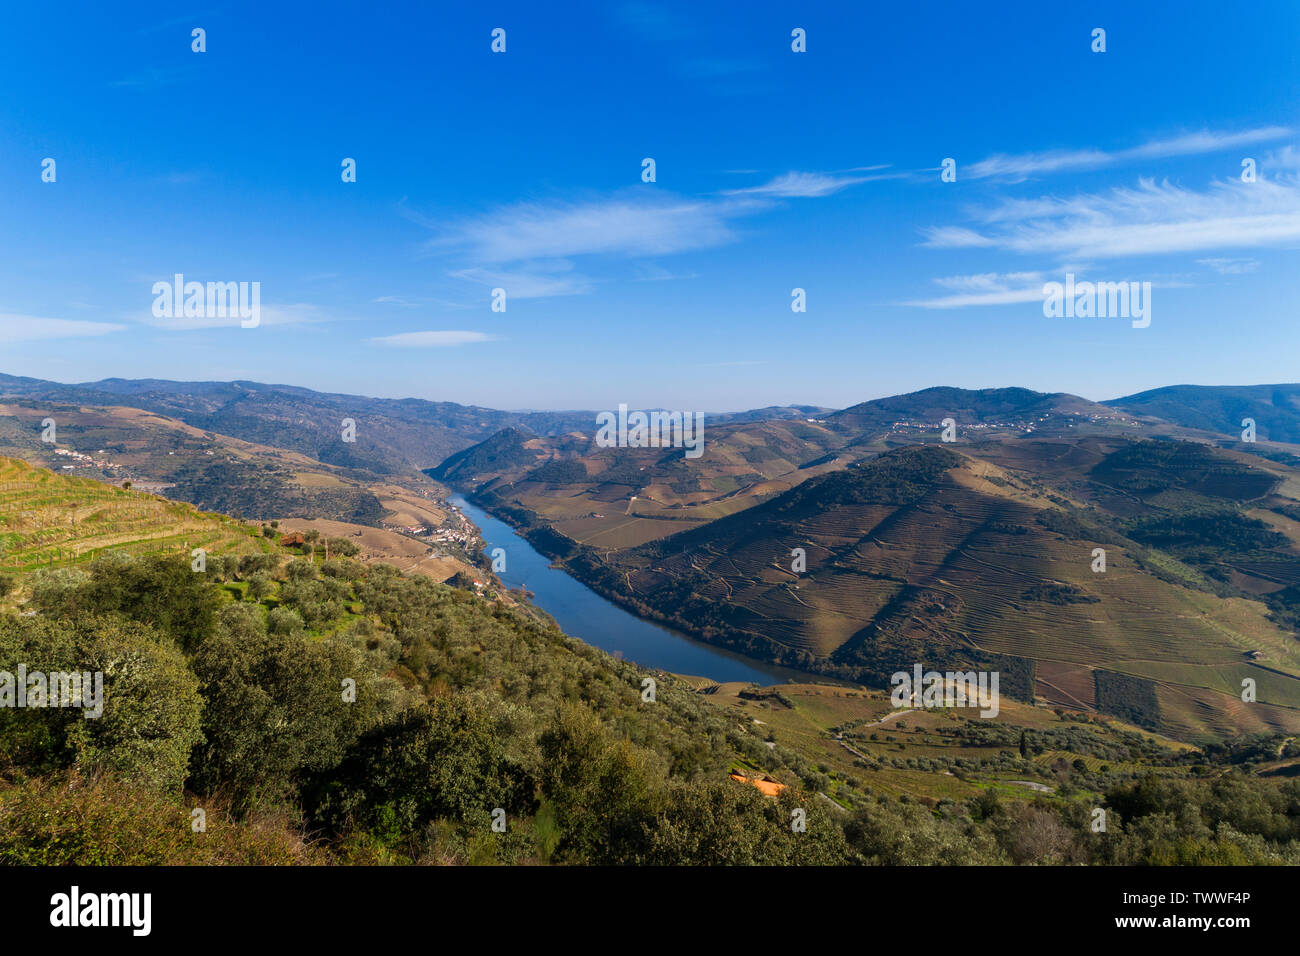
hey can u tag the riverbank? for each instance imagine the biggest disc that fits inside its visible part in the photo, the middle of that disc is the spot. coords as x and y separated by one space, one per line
543 542
586 614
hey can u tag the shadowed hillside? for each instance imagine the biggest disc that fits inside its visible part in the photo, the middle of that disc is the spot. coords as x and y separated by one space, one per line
979 552
1221 408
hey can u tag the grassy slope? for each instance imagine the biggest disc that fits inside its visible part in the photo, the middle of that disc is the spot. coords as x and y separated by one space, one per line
862 742
50 520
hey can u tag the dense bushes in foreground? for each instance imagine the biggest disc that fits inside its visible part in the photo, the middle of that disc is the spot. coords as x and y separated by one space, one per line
401 720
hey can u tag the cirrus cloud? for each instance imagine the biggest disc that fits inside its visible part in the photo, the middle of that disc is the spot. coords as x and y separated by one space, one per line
797 185
439 339
986 288
1153 218
1017 168
622 226
32 328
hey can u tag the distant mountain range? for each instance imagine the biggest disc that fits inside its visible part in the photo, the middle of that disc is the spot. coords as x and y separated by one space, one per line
391 434
417 434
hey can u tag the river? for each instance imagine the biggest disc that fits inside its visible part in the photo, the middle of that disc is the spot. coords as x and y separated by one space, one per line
584 614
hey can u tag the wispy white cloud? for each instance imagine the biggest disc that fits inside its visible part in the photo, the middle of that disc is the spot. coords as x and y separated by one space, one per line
986 288
298 313
653 272
1288 157
1012 288
794 185
987 281
1151 219
528 248
955 237
540 282
440 339
625 225
1019 167
1230 267
31 328
620 226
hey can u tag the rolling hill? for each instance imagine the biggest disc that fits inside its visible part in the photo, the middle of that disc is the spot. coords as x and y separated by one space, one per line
975 552
212 471
1013 409
978 553
986 560
393 436
928 555
1221 408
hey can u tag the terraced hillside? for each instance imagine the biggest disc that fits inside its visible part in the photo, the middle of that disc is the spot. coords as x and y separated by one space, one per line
613 498
616 498
392 436
50 520
212 471
985 556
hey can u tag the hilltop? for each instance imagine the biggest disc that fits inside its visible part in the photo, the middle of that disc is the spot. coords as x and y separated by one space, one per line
213 471
51 521
1012 408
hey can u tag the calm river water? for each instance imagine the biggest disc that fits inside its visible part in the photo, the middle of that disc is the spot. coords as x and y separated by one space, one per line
584 614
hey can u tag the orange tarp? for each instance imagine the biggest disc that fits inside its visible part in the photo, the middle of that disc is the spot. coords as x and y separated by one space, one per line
769 787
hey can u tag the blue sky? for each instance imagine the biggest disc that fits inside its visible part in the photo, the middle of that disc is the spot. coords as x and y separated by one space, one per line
775 170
